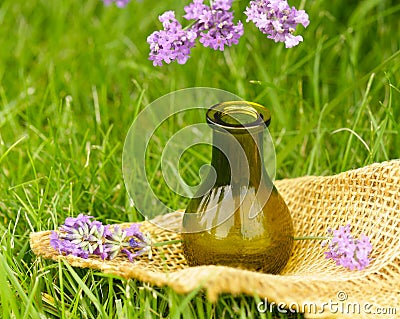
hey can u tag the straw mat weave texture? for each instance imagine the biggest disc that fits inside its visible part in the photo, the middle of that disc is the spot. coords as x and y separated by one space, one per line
367 198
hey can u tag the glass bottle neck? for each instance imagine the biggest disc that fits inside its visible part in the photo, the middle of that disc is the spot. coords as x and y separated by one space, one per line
237 158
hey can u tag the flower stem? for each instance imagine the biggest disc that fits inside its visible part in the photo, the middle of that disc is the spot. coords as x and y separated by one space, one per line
190 25
168 242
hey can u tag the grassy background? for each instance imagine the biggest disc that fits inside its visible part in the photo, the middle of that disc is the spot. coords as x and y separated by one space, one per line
74 74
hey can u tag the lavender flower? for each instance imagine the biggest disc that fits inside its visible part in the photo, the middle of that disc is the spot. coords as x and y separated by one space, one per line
221 5
276 19
172 43
66 246
115 241
194 10
143 243
214 24
214 27
347 251
82 237
119 3
118 241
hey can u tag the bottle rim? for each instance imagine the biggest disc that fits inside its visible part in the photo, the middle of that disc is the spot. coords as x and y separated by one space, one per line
238 116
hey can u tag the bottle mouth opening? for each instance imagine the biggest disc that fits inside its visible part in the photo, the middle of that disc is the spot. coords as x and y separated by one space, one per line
238 115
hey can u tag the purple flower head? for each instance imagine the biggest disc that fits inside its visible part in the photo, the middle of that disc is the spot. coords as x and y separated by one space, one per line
82 237
169 21
214 24
142 242
220 29
118 3
172 43
133 230
347 251
115 241
194 10
120 240
221 5
66 246
79 236
77 222
276 19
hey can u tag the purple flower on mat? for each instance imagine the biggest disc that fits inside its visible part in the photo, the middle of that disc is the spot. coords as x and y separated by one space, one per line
66 246
347 251
82 237
114 242
118 3
172 43
143 243
119 241
78 221
276 19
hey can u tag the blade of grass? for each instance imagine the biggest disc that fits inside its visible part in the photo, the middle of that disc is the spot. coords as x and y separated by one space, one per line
86 289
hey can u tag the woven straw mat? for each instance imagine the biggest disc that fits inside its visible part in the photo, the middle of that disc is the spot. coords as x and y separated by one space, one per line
368 198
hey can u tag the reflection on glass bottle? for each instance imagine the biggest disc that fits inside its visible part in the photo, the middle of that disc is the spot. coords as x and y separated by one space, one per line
237 218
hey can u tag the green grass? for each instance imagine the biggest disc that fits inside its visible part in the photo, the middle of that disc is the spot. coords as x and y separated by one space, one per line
73 76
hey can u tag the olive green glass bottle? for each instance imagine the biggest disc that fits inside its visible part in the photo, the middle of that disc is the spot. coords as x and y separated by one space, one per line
237 217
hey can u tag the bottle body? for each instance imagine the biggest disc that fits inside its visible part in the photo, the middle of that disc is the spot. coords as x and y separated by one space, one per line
262 243
241 220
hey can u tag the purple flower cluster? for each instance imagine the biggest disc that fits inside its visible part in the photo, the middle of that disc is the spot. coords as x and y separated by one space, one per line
118 3
82 237
347 251
172 43
213 25
276 19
